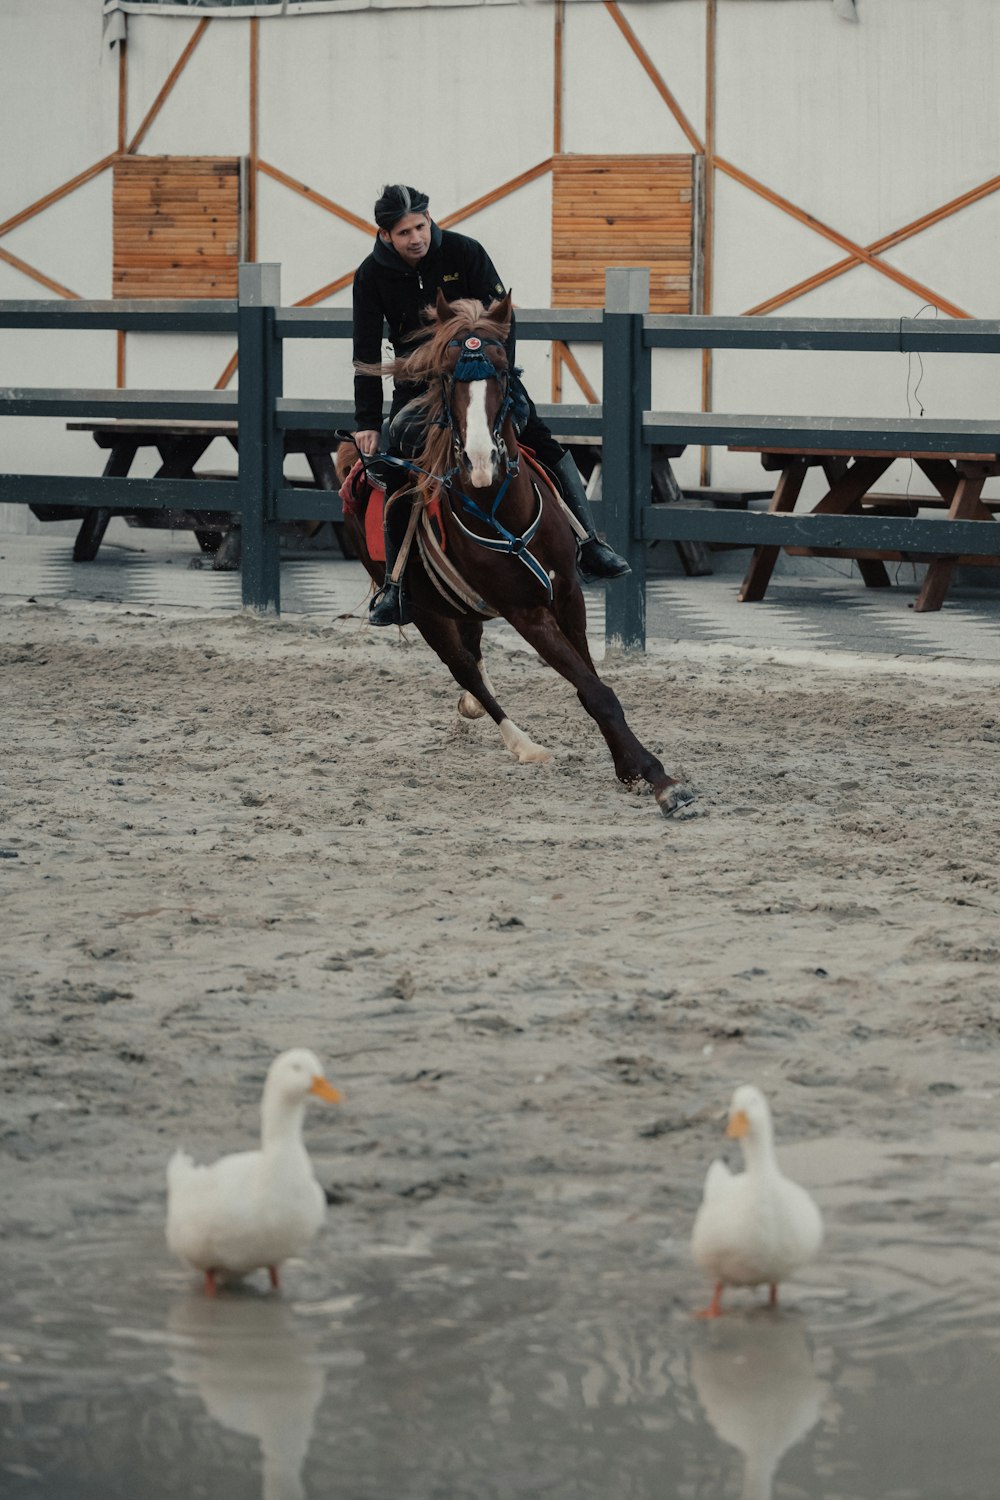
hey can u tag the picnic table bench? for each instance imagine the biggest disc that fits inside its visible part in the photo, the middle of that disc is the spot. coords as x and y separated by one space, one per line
850 519
180 445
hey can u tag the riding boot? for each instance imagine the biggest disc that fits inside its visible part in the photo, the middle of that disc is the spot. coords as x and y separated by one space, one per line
596 559
388 607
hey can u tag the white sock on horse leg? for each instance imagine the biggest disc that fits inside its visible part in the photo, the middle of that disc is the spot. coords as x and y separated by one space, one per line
522 745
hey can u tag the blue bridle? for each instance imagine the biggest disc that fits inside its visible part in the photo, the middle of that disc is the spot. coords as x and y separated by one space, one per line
474 364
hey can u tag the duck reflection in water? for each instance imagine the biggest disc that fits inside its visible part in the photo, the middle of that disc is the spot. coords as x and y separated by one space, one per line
258 1375
755 1379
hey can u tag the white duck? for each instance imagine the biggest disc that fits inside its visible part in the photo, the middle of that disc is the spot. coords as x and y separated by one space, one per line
255 1208
756 1226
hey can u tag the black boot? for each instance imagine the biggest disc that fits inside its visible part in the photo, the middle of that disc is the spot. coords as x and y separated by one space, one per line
596 559
388 607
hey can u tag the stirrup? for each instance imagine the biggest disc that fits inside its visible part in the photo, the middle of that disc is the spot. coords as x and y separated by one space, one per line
599 560
386 607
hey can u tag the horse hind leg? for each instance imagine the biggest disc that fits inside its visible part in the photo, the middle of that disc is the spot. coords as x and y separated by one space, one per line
471 635
446 638
469 705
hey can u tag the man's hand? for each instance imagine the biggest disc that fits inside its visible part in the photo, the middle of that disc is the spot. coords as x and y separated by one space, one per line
367 442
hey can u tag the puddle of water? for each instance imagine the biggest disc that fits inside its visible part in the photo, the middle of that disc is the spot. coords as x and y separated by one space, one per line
420 1375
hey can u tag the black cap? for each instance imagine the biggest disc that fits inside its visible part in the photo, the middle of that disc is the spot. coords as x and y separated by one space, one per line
396 202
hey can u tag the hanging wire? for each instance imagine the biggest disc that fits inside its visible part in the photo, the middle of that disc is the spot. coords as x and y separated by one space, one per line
913 398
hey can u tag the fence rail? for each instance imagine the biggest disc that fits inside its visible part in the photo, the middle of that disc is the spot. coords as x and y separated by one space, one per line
624 422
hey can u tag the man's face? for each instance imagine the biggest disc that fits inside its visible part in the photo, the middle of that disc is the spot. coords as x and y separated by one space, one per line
410 238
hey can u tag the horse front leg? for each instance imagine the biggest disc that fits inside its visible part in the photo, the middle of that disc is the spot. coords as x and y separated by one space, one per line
634 764
571 612
445 637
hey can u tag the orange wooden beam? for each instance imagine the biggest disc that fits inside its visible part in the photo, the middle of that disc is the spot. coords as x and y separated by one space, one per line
858 252
655 77
165 91
250 208
935 216
39 276
57 193
227 373
326 291
557 77
567 357
122 92
503 191
328 204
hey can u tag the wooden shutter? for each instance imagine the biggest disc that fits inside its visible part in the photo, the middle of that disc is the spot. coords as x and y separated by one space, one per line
625 211
176 226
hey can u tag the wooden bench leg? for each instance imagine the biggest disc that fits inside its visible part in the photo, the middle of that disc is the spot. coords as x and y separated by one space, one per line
849 483
873 571
937 582
91 535
758 574
965 506
95 522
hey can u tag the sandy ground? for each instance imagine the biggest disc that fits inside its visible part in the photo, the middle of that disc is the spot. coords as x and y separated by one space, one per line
224 836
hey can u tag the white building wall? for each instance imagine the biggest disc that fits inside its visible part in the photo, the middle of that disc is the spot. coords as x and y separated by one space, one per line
864 126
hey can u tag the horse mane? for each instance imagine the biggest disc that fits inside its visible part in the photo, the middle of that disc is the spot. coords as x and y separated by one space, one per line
427 361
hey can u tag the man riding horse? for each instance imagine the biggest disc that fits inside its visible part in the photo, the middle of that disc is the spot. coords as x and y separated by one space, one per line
411 261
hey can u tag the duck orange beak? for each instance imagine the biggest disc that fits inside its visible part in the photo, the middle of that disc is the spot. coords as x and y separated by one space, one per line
324 1090
738 1126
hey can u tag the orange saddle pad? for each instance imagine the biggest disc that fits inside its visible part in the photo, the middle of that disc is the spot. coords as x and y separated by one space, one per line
356 495
374 534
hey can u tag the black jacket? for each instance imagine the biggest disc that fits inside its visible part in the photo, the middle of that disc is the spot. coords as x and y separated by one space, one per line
385 287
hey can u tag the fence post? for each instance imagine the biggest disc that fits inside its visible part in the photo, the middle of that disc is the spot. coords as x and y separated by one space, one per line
626 471
261 450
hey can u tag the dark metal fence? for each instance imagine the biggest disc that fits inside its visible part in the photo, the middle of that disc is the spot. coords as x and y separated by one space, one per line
624 423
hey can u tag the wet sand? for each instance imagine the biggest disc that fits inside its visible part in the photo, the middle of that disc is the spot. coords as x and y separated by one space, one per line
226 836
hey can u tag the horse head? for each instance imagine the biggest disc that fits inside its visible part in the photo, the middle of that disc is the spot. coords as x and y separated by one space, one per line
475 380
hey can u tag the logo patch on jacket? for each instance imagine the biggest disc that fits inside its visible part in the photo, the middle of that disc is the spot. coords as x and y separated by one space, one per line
450 276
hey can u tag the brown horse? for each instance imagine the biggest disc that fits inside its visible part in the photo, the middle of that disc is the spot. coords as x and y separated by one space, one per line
506 533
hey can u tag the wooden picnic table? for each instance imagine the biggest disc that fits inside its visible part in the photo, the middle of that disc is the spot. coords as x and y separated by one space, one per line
180 445
956 478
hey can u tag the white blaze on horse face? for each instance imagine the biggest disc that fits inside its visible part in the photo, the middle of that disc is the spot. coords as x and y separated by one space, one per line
480 448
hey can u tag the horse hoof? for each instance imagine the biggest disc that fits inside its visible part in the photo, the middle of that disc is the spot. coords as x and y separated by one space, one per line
470 707
671 798
534 755
522 746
